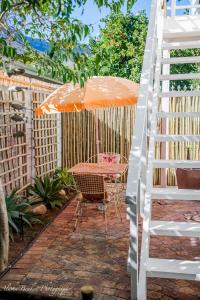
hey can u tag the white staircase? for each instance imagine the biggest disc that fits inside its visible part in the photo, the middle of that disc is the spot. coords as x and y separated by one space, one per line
165 34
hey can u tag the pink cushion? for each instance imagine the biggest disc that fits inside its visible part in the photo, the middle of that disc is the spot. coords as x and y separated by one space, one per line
109 158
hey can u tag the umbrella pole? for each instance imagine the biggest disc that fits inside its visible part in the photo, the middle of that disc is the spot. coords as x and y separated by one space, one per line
97 133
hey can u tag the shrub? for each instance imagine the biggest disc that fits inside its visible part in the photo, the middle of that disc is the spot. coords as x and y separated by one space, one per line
66 179
47 191
17 209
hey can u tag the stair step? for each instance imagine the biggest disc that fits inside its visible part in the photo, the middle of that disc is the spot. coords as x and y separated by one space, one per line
178 114
179 94
175 194
185 76
181 27
180 7
181 60
176 164
181 45
177 138
173 268
170 228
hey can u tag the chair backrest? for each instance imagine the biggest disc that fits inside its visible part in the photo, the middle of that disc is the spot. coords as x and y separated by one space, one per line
109 158
90 183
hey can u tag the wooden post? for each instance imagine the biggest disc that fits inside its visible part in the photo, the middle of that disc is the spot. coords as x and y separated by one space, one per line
96 131
59 140
4 231
29 136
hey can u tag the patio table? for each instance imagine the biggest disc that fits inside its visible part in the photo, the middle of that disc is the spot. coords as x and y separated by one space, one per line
99 168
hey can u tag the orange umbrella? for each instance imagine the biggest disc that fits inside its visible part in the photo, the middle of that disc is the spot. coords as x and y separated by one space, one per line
98 92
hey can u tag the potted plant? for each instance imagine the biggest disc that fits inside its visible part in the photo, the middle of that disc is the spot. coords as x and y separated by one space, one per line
188 178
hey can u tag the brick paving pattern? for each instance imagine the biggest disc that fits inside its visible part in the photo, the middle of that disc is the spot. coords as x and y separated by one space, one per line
61 261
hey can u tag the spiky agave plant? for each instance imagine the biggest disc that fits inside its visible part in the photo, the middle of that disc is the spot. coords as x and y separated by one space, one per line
47 191
17 210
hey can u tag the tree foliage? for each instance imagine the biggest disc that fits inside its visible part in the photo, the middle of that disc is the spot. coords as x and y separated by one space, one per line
119 48
53 22
184 69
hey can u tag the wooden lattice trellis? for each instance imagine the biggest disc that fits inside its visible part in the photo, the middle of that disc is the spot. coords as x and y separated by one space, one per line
13 150
37 151
45 138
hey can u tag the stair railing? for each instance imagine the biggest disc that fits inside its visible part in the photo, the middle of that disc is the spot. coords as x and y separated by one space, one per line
136 182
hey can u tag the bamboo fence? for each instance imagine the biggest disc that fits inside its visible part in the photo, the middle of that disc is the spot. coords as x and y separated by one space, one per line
34 152
79 133
116 127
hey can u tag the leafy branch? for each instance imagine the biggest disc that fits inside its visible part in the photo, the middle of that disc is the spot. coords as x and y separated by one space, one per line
51 21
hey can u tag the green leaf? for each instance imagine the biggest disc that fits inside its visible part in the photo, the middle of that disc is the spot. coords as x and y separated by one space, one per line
130 4
64 77
99 3
86 31
97 59
11 52
3 41
12 224
81 82
4 4
52 50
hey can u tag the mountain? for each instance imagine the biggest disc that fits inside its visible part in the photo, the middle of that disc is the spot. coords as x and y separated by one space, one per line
38 44
43 46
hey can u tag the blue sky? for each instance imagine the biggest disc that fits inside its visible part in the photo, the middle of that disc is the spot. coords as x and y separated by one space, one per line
92 15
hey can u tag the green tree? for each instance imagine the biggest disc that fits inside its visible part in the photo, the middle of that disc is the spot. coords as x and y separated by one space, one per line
53 22
119 48
184 69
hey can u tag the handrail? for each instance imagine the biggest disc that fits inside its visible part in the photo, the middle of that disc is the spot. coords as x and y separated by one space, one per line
146 84
138 155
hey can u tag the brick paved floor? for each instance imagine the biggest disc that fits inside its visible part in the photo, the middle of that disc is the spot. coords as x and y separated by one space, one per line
61 261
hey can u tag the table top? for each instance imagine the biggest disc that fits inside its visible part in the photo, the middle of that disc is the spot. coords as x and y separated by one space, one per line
99 168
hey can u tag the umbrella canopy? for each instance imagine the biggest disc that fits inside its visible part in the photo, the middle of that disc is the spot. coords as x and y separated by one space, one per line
98 92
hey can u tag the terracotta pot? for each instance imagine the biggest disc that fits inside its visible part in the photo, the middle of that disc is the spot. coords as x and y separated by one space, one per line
188 178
